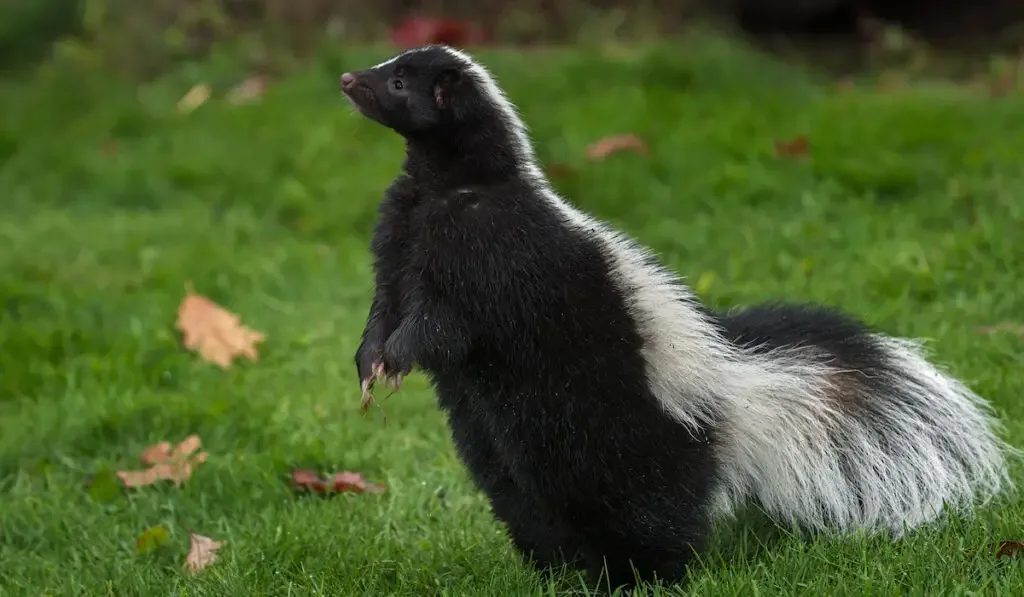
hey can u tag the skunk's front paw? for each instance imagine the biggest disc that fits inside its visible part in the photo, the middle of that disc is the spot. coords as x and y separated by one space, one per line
388 377
397 360
369 358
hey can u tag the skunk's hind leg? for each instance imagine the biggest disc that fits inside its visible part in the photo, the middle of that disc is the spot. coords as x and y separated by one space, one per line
647 539
539 536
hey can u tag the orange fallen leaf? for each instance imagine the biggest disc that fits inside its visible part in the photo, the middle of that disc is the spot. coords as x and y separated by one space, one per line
217 335
1009 549
602 148
248 90
1004 83
195 97
797 146
845 84
892 81
156 454
166 463
1006 326
202 553
337 483
559 171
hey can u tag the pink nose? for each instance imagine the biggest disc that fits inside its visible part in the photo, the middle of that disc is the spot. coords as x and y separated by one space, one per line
347 80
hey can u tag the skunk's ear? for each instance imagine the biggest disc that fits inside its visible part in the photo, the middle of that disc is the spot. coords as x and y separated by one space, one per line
445 86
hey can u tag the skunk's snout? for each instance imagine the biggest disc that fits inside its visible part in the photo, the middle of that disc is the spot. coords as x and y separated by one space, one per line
348 81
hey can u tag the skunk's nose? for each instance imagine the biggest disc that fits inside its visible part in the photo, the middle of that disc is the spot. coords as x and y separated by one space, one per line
347 81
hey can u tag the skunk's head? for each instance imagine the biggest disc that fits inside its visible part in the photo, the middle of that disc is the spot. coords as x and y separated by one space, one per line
429 90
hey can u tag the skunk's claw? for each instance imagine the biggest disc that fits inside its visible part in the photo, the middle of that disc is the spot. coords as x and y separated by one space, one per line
367 397
392 380
396 381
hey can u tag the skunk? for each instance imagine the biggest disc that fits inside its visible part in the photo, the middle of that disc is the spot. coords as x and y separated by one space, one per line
608 416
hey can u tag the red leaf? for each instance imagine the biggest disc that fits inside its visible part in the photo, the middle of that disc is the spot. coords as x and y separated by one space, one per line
794 147
558 171
1008 549
602 148
346 481
339 482
308 480
416 31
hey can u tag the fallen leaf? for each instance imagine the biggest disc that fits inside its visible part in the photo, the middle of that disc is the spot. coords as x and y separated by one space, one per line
415 31
797 146
202 553
602 148
1006 326
216 334
248 90
1004 83
344 481
845 84
195 97
559 171
104 486
165 463
892 81
1009 549
156 454
152 538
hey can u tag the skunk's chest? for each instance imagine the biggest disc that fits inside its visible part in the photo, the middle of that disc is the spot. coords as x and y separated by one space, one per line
454 241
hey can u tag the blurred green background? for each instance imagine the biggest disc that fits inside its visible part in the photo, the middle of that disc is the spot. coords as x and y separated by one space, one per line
116 194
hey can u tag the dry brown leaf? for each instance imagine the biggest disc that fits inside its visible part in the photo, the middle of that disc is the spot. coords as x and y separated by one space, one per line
165 463
1004 83
893 81
156 454
195 97
845 84
336 483
202 553
794 147
602 148
217 335
248 90
1006 326
559 171
187 446
1008 549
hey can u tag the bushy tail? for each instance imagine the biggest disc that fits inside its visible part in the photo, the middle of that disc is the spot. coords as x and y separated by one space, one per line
912 440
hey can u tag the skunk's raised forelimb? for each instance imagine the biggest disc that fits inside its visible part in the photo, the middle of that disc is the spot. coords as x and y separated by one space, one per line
389 246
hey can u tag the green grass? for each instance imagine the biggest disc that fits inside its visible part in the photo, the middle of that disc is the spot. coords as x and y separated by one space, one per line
909 214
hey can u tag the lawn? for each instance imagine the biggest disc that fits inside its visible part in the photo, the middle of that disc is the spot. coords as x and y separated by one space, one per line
909 212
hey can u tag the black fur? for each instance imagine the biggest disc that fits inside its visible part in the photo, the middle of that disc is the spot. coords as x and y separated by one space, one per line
778 325
515 318
498 302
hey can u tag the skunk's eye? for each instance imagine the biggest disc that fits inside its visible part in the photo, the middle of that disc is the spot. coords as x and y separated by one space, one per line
397 84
